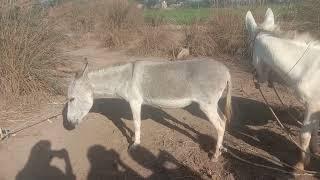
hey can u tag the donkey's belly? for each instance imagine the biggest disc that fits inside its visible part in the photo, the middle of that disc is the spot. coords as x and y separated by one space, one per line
167 103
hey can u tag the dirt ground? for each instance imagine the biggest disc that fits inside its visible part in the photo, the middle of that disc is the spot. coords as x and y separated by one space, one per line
175 143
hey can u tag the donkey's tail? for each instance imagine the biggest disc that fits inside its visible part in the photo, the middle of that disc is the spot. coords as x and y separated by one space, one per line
228 105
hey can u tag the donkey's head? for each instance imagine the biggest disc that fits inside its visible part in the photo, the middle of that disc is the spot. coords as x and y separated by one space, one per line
80 97
267 25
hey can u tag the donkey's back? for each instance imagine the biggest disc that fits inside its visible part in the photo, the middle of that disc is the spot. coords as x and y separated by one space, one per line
176 84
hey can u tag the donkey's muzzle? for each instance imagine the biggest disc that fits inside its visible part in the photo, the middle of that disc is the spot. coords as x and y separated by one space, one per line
66 123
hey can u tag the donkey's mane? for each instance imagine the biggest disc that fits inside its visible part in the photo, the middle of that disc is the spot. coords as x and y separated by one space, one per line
106 68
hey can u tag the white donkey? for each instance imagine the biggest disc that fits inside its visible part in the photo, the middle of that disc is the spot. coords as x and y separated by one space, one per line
298 64
162 84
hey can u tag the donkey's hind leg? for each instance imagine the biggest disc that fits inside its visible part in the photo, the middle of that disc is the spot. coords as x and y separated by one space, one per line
211 110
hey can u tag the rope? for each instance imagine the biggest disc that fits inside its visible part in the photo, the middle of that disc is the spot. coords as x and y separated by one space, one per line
252 41
15 131
294 118
281 125
304 53
305 173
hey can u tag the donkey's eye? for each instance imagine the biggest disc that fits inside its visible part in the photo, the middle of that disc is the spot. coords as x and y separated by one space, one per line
71 99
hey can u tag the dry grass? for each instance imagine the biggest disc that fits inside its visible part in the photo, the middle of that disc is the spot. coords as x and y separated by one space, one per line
199 41
308 15
120 24
158 41
223 34
115 23
302 17
28 52
227 28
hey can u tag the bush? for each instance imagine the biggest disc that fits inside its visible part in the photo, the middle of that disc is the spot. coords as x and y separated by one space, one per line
120 24
81 16
308 15
28 52
113 22
158 41
199 41
223 34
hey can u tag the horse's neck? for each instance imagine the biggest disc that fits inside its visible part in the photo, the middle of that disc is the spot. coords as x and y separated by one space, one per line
286 58
110 82
297 64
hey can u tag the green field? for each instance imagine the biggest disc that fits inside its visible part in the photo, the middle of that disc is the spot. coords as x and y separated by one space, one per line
178 16
188 15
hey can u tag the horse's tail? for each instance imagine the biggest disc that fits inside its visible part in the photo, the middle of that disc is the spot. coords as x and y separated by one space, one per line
228 105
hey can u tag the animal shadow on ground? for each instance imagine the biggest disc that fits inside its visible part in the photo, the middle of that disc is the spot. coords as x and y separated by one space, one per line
106 164
116 110
163 166
254 124
243 171
244 112
38 166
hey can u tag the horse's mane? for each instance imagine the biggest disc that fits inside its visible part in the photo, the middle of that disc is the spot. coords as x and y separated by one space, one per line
290 35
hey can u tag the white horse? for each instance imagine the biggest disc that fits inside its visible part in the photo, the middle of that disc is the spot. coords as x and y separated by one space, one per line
162 84
297 62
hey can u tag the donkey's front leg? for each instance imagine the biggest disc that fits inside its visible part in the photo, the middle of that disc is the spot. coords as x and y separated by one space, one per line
136 112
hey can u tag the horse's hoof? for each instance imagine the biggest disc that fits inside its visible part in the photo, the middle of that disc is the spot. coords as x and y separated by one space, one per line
214 159
299 166
133 147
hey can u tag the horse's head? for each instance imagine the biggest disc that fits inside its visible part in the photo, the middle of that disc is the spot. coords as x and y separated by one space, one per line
80 98
253 28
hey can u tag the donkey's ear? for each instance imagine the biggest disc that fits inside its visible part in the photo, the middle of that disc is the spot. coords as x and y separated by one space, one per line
83 71
251 24
268 23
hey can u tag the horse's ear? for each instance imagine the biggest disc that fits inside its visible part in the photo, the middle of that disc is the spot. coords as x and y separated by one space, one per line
251 24
268 23
84 70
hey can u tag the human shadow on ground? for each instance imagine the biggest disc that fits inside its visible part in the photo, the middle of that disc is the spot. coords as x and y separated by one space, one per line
163 166
38 166
116 110
106 164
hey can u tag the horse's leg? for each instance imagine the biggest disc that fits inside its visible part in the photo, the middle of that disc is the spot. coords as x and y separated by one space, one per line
136 112
314 138
305 137
212 113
